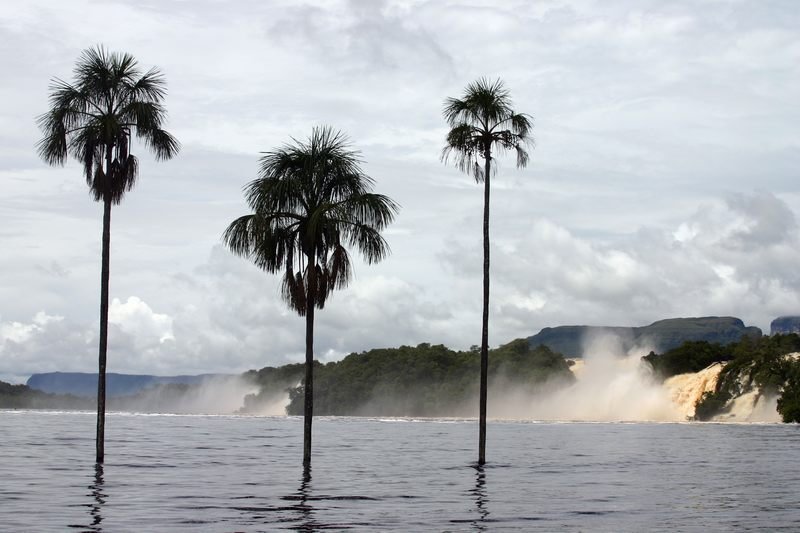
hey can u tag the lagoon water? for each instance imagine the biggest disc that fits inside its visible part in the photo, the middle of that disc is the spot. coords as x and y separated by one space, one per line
229 473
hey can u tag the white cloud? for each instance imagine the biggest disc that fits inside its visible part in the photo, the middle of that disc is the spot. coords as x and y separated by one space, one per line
735 257
137 319
44 343
16 332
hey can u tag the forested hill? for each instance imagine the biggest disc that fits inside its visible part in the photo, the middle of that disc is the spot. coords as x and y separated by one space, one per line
24 397
427 380
660 336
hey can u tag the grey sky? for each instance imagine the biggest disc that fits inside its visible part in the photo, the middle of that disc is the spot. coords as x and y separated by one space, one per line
664 181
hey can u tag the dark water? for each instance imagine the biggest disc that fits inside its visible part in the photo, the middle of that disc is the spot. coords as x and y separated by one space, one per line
216 473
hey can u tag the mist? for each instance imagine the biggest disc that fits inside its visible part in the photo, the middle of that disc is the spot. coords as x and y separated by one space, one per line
608 384
269 401
615 385
217 395
611 385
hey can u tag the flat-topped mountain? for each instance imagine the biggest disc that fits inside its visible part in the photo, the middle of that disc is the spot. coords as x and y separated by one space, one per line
784 325
660 336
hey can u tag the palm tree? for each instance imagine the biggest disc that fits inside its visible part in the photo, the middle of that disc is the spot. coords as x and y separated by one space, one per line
93 119
481 120
310 200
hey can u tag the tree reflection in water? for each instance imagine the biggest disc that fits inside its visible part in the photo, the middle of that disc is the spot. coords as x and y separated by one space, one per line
479 493
99 497
302 497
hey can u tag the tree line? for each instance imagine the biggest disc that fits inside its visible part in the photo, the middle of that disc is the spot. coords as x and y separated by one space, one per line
424 380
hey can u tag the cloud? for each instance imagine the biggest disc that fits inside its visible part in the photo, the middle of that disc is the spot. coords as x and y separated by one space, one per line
230 318
232 311
733 256
736 256
44 343
745 222
137 319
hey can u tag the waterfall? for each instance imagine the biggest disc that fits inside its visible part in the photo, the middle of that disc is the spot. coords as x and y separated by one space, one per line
686 389
612 385
752 407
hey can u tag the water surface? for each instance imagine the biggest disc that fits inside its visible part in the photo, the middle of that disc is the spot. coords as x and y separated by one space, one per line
228 473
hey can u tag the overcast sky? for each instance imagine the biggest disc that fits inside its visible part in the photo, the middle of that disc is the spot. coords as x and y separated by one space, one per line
665 180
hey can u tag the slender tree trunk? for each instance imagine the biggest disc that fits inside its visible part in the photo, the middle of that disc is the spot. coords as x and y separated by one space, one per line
485 322
308 409
101 374
104 282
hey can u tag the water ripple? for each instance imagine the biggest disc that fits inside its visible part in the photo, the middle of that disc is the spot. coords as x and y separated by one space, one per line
200 473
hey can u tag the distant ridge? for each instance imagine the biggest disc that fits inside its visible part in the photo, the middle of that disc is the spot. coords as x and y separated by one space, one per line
660 336
85 384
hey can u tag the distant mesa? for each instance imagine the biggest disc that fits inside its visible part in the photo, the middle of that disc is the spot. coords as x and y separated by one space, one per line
85 384
660 336
784 325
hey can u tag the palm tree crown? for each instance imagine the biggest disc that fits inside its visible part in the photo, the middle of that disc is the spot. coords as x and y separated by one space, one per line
310 200
482 119
93 118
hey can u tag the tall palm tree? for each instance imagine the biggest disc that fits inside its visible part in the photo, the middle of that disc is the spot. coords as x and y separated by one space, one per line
93 120
310 200
482 120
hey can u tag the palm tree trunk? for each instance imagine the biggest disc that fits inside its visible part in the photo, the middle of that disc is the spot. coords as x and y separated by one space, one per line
485 323
104 282
101 374
308 409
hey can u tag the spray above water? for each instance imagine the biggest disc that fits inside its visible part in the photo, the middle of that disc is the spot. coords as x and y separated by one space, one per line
272 401
215 395
612 385
615 385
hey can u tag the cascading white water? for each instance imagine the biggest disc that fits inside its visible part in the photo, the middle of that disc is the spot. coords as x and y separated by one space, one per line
685 390
613 385
751 407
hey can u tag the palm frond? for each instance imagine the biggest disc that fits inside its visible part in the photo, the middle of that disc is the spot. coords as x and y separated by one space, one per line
522 156
369 242
339 267
375 210
53 146
465 144
86 146
522 125
239 236
161 143
293 291
150 87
